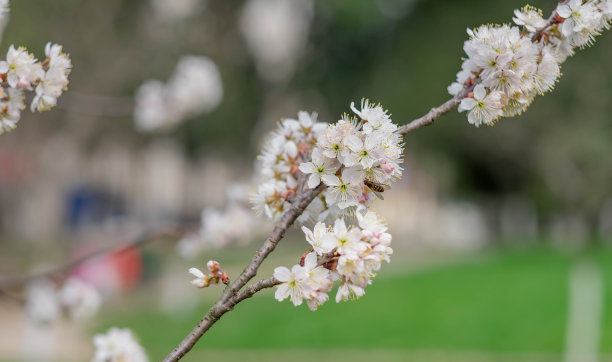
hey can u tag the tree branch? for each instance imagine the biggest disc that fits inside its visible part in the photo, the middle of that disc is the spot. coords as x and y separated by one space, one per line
230 296
436 112
19 280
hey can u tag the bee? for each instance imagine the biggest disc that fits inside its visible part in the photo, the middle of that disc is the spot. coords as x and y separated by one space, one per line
376 188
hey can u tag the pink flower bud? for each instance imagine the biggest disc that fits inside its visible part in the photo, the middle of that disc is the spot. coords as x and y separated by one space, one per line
213 266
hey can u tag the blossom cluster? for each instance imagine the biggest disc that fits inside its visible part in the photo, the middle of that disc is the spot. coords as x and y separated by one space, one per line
289 146
353 157
118 345
22 72
76 299
369 151
509 65
194 88
216 275
351 254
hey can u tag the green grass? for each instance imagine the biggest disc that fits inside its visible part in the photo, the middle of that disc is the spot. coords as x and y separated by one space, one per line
510 302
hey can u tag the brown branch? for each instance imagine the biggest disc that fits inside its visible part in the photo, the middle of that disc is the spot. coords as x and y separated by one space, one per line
436 112
231 295
95 105
249 291
18 299
19 280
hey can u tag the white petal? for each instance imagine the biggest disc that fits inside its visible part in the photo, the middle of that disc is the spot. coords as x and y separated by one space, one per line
467 104
331 180
355 109
308 233
339 228
198 283
480 92
567 28
310 261
354 143
575 4
282 274
564 11
353 174
299 272
282 292
313 181
196 272
317 157
308 167
328 243
473 120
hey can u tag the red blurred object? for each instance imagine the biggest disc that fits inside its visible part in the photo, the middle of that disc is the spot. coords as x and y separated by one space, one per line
129 267
118 271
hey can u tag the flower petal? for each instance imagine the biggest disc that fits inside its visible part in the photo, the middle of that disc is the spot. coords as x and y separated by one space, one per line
480 92
313 181
331 180
196 272
282 274
308 167
282 292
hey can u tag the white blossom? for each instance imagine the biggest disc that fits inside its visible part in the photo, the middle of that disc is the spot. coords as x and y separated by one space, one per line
118 345
483 108
42 303
195 88
318 167
79 299
529 17
343 193
201 280
294 284
364 152
319 238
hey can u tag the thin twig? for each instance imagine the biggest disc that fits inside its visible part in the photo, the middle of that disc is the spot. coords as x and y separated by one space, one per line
95 105
435 112
19 280
230 296
19 300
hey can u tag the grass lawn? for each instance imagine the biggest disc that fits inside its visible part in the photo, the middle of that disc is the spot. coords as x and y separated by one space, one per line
507 302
